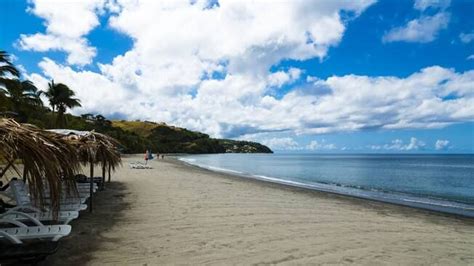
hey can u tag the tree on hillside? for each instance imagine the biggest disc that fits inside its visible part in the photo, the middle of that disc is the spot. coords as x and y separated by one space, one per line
61 97
7 71
20 97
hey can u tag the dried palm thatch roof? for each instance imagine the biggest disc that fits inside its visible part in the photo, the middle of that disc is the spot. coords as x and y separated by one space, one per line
47 158
93 147
107 154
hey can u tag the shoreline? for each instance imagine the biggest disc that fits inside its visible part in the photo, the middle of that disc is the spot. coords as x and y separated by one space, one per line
180 214
425 207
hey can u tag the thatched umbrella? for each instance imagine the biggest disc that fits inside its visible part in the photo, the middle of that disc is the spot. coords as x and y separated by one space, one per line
94 148
47 159
107 154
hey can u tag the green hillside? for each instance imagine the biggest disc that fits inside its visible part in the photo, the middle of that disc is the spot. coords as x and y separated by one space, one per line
169 139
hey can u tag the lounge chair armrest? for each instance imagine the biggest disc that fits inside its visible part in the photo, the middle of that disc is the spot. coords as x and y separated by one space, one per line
27 216
72 215
28 208
57 237
12 239
9 221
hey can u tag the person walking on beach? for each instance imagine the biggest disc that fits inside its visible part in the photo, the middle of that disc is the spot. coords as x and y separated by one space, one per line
146 156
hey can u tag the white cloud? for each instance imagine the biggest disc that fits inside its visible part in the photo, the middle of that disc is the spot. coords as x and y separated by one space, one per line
281 78
471 57
281 143
67 22
425 4
91 88
414 144
242 32
441 144
172 80
238 37
322 145
238 104
399 145
424 29
358 102
466 37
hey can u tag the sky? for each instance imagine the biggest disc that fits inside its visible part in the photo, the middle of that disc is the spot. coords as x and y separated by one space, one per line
302 76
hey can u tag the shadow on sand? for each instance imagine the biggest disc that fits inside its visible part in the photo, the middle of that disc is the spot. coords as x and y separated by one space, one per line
87 231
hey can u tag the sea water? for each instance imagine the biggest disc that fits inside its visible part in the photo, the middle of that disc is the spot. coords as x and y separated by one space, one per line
438 182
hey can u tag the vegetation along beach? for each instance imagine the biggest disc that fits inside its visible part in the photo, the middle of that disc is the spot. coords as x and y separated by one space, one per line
226 132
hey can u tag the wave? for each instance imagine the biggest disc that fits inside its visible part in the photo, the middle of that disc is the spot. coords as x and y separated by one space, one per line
417 201
213 168
442 165
187 159
224 170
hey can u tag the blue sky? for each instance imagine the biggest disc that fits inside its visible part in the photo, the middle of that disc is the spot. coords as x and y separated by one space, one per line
310 76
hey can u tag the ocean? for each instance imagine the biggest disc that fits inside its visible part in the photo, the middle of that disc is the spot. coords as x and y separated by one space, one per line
442 183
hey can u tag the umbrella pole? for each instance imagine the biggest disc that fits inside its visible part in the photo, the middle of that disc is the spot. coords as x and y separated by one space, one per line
25 172
91 188
110 168
102 185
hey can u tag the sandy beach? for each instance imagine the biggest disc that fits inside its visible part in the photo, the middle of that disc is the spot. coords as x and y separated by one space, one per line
179 214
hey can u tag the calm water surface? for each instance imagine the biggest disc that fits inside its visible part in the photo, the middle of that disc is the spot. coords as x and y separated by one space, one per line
438 182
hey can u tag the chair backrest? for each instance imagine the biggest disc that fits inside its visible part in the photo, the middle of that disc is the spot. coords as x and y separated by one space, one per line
20 193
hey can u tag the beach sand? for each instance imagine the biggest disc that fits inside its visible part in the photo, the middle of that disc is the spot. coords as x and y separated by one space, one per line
179 214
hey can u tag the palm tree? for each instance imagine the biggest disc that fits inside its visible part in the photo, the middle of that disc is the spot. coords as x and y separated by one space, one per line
6 66
21 96
61 97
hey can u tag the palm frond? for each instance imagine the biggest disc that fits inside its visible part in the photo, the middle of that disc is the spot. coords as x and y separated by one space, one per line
93 147
47 158
6 65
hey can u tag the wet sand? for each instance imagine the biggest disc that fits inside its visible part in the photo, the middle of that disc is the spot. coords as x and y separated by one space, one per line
180 214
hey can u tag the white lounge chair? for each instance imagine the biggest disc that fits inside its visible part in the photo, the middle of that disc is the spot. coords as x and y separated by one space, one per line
64 217
19 232
24 213
83 189
82 179
25 217
66 198
138 165
82 193
23 199
72 198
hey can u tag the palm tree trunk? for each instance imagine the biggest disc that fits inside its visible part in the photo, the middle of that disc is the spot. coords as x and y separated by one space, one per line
59 120
53 118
